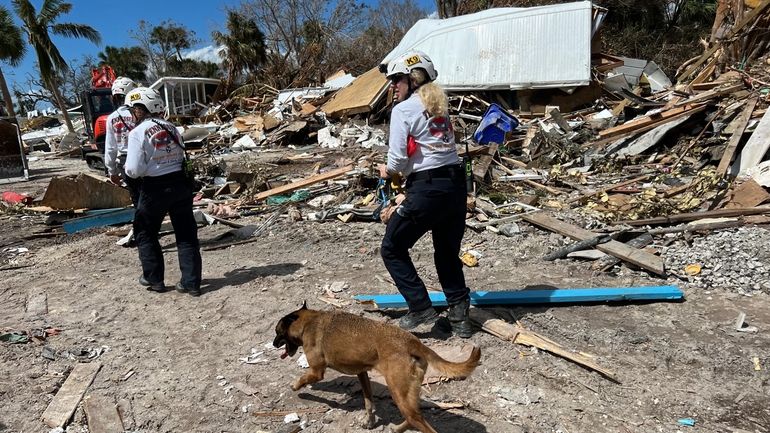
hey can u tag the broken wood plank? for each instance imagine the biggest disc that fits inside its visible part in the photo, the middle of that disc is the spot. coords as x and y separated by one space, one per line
747 195
640 258
692 216
63 405
607 263
360 96
740 124
544 296
712 94
608 188
642 128
481 167
636 124
578 246
690 227
331 174
520 335
102 415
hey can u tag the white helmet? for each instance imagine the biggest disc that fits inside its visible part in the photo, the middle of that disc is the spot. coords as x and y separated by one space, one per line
405 63
147 97
123 85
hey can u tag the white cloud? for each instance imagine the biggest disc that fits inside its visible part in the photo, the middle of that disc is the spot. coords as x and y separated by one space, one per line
209 53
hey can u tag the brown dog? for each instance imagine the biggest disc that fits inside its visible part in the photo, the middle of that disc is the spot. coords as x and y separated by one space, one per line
354 345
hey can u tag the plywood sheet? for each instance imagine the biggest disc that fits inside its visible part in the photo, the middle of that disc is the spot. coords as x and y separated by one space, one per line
359 97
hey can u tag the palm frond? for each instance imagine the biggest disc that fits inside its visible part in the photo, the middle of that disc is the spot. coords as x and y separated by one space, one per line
12 46
51 10
77 31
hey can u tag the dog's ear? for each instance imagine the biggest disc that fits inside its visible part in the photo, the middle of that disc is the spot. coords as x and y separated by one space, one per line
304 305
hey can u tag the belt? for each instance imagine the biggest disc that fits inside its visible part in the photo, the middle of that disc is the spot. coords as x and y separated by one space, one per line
164 177
447 171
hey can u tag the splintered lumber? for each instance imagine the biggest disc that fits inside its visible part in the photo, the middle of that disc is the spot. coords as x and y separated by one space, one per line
540 296
520 335
102 415
65 402
640 258
740 126
283 189
684 217
644 123
748 18
713 93
608 188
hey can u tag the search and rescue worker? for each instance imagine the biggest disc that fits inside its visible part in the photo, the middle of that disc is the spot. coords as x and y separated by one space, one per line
422 150
119 123
156 156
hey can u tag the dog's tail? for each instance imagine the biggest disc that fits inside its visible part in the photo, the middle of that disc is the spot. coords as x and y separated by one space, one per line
453 370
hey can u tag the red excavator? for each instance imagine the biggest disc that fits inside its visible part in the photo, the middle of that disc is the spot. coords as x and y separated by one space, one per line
97 105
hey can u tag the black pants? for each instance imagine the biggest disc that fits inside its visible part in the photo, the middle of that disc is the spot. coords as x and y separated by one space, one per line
160 195
436 204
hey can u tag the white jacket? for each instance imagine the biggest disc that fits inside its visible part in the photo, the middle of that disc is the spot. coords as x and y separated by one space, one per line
434 137
153 150
119 123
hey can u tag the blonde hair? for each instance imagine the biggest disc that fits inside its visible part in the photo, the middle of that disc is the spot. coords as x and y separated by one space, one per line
432 96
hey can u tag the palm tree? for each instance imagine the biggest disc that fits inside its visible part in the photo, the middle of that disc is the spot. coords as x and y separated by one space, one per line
38 27
12 50
244 46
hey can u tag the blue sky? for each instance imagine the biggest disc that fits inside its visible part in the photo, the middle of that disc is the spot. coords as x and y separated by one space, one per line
114 19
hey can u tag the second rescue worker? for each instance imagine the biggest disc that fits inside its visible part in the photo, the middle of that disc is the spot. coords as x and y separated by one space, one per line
156 156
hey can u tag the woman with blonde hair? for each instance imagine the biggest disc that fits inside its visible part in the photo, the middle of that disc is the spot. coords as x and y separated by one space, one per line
422 150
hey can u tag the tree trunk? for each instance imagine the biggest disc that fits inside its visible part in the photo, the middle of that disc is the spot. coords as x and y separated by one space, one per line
7 97
60 103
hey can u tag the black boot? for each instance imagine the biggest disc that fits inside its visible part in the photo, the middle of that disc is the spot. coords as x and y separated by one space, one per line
413 319
459 318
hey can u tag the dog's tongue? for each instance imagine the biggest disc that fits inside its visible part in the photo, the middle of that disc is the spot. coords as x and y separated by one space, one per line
284 354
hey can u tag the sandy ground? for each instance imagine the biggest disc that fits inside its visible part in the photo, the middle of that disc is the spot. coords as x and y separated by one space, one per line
172 363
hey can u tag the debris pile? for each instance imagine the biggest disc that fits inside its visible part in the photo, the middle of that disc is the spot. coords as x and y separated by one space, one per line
611 163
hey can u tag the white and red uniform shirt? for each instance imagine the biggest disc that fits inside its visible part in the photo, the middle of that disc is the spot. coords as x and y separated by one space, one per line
418 141
119 123
153 149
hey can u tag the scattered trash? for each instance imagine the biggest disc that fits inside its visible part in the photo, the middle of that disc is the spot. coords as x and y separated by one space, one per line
255 357
686 421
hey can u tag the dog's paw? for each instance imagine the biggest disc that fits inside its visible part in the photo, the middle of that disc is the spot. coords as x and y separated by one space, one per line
367 421
297 385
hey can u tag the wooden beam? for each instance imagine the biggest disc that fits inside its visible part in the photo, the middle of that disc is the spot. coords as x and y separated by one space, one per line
646 123
481 167
740 126
606 263
546 296
601 142
733 31
640 258
331 174
711 94
684 217
756 147
520 335
63 405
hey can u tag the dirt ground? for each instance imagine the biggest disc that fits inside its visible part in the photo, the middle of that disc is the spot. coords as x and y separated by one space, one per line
174 363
